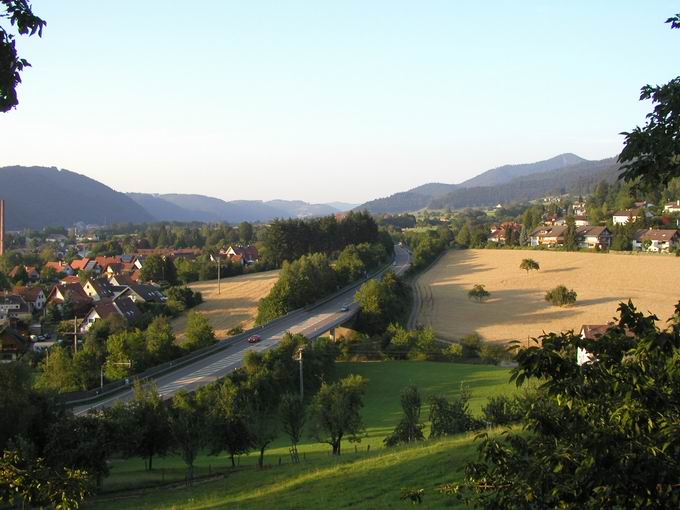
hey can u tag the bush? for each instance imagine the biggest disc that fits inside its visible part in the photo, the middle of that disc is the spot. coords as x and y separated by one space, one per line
502 410
451 417
453 352
478 293
493 353
471 345
561 296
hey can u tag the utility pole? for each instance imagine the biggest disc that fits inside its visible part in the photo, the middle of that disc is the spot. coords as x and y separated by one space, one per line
219 268
298 357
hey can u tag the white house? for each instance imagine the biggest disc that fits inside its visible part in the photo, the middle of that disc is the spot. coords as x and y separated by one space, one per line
623 217
656 240
672 207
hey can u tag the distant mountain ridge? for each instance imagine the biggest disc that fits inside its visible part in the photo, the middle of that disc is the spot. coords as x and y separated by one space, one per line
38 197
507 183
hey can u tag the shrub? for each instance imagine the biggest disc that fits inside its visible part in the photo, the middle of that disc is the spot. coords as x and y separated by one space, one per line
471 345
502 410
451 417
453 352
478 293
493 353
561 296
529 265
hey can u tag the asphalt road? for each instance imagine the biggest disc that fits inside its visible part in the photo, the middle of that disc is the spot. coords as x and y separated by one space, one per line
312 324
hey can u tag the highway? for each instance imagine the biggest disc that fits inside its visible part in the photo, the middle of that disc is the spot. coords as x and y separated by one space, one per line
311 323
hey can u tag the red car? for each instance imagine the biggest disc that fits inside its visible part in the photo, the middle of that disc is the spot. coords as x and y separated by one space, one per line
254 339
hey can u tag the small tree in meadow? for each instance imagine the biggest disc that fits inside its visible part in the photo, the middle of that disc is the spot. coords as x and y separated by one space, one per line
529 265
561 296
478 293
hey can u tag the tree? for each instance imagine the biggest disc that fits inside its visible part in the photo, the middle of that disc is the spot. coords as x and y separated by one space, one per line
651 155
335 412
229 431
451 417
570 241
188 426
145 422
199 332
160 340
561 296
58 372
529 265
125 347
619 410
34 483
15 409
20 15
159 268
292 413
245 232
409 428
478 293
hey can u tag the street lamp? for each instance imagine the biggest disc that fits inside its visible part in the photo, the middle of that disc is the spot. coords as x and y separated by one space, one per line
298 357
101 369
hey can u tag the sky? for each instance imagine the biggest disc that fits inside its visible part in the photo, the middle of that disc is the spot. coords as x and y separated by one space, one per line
329 101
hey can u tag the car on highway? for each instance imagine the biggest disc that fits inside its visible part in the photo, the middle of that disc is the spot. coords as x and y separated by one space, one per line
254 339
345 308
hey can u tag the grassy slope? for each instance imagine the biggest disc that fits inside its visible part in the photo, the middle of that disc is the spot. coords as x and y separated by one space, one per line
375 478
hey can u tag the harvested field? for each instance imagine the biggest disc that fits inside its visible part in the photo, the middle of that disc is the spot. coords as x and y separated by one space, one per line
517 308
235 306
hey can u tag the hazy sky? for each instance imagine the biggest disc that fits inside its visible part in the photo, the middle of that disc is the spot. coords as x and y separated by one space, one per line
320 100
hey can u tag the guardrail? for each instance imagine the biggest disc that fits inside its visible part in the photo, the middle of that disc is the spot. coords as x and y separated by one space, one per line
73 399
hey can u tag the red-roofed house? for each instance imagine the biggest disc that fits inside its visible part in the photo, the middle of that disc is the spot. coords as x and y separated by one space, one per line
106 308
34 296
75 293
656 240
59 266
32 272
247 254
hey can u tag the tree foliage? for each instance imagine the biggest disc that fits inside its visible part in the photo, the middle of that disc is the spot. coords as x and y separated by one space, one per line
529 265
561 296
651 154
478 293
20 15
600 435
409 429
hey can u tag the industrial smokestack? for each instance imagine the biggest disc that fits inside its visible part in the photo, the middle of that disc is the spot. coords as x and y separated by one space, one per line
2 228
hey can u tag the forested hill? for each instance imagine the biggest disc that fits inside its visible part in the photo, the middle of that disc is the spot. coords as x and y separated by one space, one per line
37 197
578 179
509 183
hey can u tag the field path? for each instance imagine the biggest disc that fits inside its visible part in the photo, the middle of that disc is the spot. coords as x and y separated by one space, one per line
236 305
517 309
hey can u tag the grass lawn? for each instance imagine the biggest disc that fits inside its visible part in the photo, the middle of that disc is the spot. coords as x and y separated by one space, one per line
378 474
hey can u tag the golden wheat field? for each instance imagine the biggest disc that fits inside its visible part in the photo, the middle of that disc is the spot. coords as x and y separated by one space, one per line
517 308
236 305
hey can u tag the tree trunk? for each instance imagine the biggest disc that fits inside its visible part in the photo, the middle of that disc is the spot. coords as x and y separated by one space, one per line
233 464
260 461
151 462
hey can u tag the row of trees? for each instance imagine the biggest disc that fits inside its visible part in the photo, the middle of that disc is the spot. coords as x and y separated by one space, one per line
312 277
288 240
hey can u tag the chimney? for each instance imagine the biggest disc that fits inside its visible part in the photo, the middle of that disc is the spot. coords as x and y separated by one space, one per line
2 228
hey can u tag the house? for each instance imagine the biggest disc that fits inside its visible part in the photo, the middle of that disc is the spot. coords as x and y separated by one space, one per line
553 220
85 264
501 234
656 240
672 207
581 221
106 308
594 238
60 267
623 217
121 280
247 254
12 344
34 296
13 306
578 208
98 289
590 332
548 236
75 294
31 272
143 293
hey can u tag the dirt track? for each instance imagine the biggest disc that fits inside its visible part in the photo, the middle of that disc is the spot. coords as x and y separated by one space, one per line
235 305
517 309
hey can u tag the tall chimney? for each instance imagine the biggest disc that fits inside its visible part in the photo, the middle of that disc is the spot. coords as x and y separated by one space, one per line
2 228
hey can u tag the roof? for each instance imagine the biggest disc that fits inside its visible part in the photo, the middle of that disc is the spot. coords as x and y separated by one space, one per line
675 203
101 287
590 230
12 341
661 235
627 213
593 331
79 264
548 231
14 300
147 292
123 279
30 294
57 265
122 306
74 291
70 279
106 261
